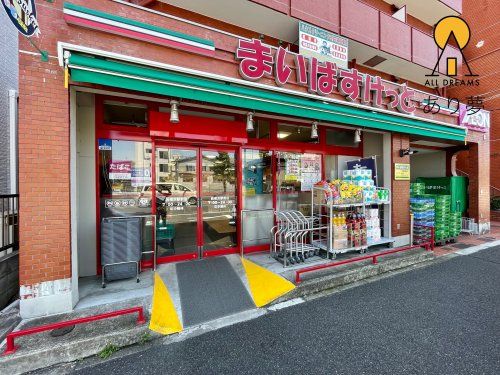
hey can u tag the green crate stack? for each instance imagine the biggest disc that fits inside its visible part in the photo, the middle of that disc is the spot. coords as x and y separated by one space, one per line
455 223
417 188
442 211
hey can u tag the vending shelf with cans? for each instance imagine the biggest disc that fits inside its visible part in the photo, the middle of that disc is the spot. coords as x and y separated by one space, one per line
350 221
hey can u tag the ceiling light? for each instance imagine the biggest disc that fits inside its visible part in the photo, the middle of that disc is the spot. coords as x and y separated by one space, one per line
174 111
357 136
249 122
314 130
282 135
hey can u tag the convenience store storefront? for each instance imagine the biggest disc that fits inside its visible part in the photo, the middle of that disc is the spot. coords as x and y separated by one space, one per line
220 157
130 114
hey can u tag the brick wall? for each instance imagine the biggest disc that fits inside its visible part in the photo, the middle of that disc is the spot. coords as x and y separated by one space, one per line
482 17
400 189
44 231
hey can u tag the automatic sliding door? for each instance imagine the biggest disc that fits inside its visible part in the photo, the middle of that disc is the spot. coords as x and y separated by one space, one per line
176 202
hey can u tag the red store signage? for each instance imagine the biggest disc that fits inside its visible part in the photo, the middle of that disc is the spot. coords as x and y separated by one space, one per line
257 61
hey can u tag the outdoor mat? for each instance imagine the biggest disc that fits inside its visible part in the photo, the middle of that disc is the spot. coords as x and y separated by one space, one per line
210 289
460 246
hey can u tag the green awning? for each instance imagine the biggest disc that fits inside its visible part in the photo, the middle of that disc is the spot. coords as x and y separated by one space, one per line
137 77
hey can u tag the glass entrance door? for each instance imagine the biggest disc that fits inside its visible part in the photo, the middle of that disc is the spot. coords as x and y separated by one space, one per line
196 199
218 201
176 203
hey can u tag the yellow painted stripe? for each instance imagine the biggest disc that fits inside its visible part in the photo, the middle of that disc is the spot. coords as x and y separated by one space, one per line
265 286
164 318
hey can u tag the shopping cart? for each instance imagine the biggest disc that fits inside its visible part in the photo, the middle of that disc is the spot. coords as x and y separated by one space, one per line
292 237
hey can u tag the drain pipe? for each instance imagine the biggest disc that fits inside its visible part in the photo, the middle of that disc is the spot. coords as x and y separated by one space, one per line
13 140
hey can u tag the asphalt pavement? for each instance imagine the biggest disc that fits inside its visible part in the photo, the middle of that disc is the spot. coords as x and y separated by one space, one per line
440 319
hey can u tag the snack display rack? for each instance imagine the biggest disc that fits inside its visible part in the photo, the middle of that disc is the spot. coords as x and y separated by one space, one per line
337 238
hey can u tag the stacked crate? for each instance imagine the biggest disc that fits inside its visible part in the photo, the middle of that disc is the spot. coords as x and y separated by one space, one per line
422 208
417 188
442 217
455 223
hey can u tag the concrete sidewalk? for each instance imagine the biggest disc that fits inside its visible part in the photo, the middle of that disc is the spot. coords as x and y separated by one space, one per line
42 350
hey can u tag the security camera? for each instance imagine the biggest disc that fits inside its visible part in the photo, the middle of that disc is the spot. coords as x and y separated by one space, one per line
408 151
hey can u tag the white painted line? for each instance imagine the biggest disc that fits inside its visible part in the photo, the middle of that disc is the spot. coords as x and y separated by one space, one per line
285 304
475 249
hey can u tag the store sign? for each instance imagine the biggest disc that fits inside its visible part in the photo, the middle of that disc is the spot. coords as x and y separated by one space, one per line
141 177
475 119
22 14
120 170
323 45
257 61
402 171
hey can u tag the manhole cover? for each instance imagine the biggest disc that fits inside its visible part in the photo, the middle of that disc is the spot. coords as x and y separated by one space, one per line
61 331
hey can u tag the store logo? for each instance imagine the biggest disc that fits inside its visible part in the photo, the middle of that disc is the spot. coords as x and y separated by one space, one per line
257 60
447 29
22 14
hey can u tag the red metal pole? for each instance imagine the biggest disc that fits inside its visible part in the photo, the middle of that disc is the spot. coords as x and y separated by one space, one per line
11 348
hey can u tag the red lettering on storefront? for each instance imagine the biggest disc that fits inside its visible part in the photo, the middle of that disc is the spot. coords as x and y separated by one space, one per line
321 78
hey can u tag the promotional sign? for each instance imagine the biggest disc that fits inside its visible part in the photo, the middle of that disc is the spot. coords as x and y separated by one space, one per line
141 177
478 121
120 170
22 14
310 171
321 78
365 163
402 171
323 45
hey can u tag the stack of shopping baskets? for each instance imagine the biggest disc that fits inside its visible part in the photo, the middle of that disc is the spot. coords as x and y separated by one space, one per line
417 188
442 217
422 208
455 226
293 237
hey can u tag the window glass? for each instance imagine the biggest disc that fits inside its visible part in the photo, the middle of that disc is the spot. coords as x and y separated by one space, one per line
338 137
297 173
125 182
261 130
122 113
295 133
257 195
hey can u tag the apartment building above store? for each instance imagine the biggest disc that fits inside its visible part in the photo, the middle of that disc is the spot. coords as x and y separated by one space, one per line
398 44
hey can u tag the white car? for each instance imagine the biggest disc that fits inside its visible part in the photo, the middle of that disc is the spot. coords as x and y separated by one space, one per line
173 189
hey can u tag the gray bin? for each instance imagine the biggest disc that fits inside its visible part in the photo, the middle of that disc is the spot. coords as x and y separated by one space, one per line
121 243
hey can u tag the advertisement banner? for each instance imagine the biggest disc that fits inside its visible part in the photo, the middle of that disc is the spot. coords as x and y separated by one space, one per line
323 45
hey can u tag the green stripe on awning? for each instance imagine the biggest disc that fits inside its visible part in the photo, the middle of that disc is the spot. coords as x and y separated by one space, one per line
131 22
141 78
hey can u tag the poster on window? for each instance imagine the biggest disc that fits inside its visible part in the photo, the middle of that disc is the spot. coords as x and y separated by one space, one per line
292 167
141 177
120 170
310 171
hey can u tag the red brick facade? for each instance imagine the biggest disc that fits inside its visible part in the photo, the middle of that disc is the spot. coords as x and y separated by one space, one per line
400 189
44 126
482 18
